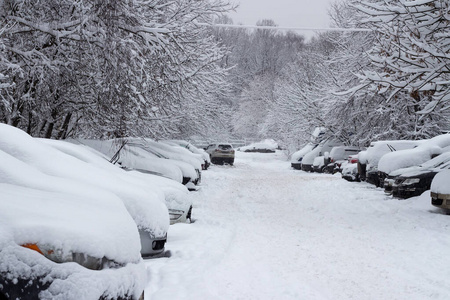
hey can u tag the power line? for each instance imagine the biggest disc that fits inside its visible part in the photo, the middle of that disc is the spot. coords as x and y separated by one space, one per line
284 28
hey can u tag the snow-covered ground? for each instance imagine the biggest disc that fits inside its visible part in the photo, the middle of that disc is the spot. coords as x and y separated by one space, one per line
265 231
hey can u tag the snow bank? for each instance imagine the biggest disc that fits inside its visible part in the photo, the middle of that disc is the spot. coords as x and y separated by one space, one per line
441 183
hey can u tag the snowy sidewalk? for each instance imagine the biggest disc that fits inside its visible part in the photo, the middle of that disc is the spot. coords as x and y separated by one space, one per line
265 231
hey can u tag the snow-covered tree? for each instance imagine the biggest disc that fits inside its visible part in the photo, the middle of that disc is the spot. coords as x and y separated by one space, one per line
107 67
410 59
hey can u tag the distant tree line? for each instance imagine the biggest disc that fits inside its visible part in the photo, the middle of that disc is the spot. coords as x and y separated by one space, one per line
146 67
392 82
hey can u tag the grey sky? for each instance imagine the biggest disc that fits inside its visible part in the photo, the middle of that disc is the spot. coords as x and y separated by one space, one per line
285 13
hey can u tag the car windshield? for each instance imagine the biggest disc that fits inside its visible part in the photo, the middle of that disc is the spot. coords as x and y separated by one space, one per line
437 161
225 147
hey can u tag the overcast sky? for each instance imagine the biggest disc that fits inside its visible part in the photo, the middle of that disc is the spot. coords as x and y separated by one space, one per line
285 13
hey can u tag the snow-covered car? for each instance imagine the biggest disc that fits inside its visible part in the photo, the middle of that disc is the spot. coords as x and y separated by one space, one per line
369 159
193 149
413 157
265 146
221 153
137 156
145 205
339 155
415 180
320 150
440 190
319 163
63 239
297 157
350 172
189 164
176 196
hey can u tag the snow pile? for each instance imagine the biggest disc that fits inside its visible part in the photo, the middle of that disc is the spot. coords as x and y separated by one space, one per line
414 157
268 145
441 183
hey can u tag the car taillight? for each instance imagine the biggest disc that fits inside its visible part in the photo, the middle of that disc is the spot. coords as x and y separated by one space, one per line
59 256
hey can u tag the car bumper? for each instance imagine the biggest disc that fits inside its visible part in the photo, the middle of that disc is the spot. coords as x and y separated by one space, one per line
151 246
297 166
440 200
26 274
307 168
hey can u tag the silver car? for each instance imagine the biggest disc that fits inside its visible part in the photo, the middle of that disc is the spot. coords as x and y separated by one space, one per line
221 153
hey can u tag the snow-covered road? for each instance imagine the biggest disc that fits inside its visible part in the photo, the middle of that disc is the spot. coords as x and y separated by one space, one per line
265 231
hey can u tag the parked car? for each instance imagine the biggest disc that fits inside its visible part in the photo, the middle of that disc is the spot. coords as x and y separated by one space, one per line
319 163
145 205
320 150
339 155
425 151
60 238
177 155
297 157
221 153
414 181
440 190
369 160
138 156
193 149
176 196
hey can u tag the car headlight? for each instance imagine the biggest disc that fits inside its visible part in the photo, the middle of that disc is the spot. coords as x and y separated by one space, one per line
410 181
59 256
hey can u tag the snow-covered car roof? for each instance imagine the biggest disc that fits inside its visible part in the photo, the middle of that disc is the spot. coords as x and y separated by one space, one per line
176 195
309 157
191 148
441 183
377 149
295 157
170 151
342 152
433 165
413 157
135 157
145 206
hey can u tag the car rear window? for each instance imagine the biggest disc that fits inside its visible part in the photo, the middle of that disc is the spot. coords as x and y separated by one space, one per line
225 147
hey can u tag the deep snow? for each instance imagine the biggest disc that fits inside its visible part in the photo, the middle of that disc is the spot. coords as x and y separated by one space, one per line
266 231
